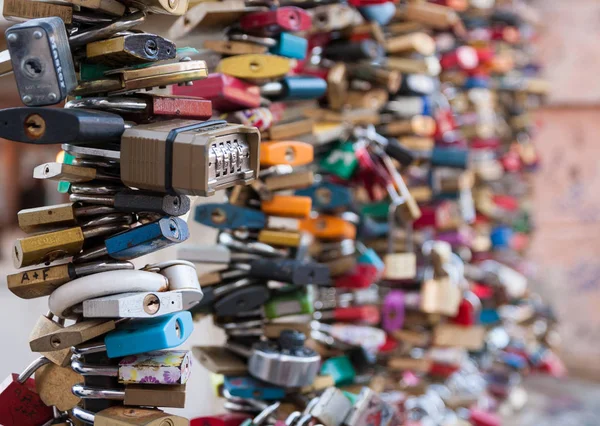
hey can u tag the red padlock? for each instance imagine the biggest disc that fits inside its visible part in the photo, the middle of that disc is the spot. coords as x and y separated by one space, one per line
229 419
361 276
287 18
367 314
468 310
20 404
225 92
480 417
464 58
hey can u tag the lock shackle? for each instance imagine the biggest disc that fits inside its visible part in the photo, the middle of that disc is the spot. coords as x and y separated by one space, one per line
31 368
83 415
93 370
226 239
90 392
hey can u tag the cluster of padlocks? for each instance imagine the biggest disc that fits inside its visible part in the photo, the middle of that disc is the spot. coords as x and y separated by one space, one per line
375 156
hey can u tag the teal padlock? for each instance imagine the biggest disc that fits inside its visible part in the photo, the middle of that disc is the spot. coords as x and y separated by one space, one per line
340 368
290 46
341 161
370 257
378 211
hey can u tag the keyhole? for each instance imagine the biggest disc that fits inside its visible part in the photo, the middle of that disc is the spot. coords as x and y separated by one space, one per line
293 20
254 66
151 48
174 228
55 341
290 154
16 253
151 304
178 329
33 67
218 216
35 126
324 195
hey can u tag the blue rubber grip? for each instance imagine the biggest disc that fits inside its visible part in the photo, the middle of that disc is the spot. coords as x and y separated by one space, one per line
145 335
290 46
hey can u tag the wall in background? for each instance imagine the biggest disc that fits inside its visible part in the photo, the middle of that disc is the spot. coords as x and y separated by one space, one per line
567 202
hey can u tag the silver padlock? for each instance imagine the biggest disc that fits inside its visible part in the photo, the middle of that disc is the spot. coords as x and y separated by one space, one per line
134 305
371 410
183 279
287 362
332 407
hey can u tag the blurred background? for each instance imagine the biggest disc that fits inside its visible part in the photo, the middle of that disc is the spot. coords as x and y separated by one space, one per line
567 217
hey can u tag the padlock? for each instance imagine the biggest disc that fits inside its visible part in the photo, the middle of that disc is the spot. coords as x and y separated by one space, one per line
130 49
21 404
144 335
49 76
124 416
229 419
53 384
286 363
370 409
287 18
226 93
294 88
290 46
340 368
332 407
254 67
248 387
228 153
296 303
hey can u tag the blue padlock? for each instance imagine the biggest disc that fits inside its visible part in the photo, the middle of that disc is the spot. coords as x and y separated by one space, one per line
290 46
147 238
513 360
489 316
450 157
477 83
501 237
327 196
145 335
228 216
295 88
250 388
370 257
381 13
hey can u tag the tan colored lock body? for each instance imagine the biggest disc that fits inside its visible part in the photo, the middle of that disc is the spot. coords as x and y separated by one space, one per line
63 338
54 383
155 395
440 296
296 180
400 266
38 282
374 98
229 47
290 129
341 265
418 125
46 325
129 416
389 79
419 42
431 15
17 10
428 65
220 360
47 217
202 161
471 338
337 86
47 247
64 172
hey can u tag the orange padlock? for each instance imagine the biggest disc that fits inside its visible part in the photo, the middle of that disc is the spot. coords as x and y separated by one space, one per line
329 228
286 152
287 206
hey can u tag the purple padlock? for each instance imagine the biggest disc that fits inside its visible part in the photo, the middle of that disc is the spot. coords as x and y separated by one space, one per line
393 311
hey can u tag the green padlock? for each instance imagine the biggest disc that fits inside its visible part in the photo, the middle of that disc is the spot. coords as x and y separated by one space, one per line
341 369
295 303
341 161
377 210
